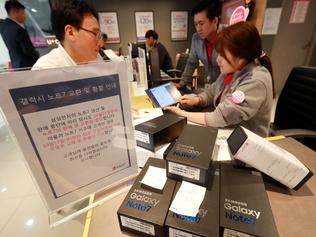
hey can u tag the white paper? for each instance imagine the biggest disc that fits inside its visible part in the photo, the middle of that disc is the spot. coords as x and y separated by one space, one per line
184 170
155 177
137 90
271 21
221 142
147 113
188 199
2 123
111 55
138 225
272 160
143 154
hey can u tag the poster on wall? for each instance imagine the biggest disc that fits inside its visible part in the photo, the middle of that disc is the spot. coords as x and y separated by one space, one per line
299 11
144 22
271 21
71 127
179 25
109 25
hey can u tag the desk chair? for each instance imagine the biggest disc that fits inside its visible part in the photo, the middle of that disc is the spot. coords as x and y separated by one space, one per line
197 77
295 114
181 62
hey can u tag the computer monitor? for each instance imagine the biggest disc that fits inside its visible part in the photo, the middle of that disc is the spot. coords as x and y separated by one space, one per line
135 47
154 67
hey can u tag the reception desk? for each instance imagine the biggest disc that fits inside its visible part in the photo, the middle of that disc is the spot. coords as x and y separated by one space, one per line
294 211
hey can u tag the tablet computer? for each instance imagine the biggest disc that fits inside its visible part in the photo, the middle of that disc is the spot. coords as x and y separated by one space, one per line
164 95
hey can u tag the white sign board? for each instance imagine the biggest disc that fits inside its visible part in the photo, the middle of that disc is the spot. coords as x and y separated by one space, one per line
71 127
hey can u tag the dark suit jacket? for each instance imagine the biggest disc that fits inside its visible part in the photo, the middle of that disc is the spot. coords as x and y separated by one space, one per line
21 50
164 58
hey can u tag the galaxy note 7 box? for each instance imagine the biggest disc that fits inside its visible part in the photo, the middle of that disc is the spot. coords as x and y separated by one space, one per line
206 222
191 156
268 158
144 210
244 206
160 130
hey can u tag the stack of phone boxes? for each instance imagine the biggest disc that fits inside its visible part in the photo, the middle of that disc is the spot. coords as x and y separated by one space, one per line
189 158
144 210
235 203
160 130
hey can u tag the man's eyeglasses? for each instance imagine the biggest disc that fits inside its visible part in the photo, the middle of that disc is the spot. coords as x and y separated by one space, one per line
98 35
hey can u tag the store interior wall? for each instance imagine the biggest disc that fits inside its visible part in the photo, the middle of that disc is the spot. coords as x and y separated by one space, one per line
162 17
293 45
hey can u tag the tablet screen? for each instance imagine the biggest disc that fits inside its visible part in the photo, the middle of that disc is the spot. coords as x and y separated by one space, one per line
164 95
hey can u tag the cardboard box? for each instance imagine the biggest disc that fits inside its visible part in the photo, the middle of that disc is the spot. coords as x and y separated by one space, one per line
244 204
270 159
206 223
191 156
160 130
144 210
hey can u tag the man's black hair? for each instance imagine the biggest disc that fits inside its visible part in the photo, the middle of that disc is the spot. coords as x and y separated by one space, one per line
104 36
151 33
13 4
212 7
70 12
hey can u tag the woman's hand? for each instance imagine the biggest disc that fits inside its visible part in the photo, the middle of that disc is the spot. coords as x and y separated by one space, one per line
176 110
190 100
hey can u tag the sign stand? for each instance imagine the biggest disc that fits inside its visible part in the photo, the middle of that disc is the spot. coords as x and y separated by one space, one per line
74 128
70 212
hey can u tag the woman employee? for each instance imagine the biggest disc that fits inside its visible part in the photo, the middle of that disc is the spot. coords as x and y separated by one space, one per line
243 93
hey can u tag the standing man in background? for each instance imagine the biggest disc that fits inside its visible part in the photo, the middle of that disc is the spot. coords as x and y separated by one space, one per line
21 50
206 20
165 62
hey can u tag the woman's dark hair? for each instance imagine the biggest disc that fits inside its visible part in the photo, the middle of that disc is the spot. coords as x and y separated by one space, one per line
69 12
243 40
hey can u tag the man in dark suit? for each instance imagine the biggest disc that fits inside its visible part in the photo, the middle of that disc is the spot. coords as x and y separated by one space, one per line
21 50
165 62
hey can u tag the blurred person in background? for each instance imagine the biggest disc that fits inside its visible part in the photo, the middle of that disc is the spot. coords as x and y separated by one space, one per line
21 50
165 62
